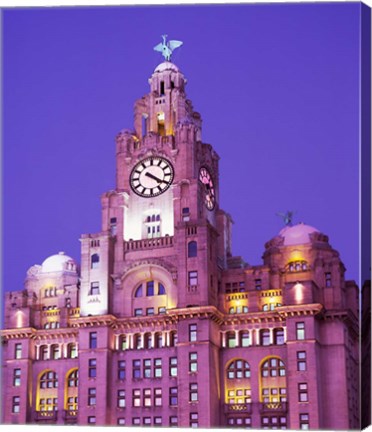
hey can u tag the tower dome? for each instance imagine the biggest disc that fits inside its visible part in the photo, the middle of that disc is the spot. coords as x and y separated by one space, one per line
57 263
297 234
169 66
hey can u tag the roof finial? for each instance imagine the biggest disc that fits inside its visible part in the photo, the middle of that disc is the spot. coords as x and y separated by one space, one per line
167 48
287 217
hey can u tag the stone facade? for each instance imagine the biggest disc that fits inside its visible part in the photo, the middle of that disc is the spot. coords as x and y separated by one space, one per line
162 325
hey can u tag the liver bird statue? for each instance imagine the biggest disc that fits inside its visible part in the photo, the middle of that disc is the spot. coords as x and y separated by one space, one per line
287 217
167 48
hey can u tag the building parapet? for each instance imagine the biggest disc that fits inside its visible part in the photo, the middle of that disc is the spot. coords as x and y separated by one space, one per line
143 244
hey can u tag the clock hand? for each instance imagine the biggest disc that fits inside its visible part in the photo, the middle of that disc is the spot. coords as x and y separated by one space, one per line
147 174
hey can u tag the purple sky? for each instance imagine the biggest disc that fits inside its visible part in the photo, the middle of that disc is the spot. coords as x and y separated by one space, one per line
276 85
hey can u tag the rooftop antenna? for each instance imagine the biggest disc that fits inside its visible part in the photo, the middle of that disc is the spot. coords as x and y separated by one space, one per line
287 217
167 48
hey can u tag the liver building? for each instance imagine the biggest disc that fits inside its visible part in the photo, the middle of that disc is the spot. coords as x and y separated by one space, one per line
161 325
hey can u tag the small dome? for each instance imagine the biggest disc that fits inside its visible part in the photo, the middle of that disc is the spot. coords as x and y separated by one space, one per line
57 263
297 234
166 66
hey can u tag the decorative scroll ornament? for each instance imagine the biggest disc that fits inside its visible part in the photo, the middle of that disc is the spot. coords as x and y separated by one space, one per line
167 48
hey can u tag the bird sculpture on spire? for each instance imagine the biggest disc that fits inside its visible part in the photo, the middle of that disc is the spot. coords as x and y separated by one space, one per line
287 217
167 48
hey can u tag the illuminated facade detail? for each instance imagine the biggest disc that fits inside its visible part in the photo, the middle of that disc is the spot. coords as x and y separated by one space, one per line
161 325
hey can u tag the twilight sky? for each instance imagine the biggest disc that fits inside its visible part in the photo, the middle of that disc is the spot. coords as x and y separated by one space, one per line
276 85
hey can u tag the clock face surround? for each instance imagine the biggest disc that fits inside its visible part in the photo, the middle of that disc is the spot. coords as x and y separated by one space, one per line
209 192
151 176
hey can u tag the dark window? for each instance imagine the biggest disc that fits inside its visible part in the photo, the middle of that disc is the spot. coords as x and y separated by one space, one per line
92 340
138 292
150 288
265 337
121 369
136 368
161 88
258 284
113 226
192 249
161 289
94 288
94 263
173 396
92 368
328 279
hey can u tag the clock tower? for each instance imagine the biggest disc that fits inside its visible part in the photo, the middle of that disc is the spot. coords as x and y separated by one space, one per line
163 216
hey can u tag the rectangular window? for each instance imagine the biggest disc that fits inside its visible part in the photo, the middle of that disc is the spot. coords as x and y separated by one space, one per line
157 368
121 369
265 337
300 331
193 278
16 404
121 421
150 311
173 396
194 420
304 421
173 366
173 421
92 394
301 360
193 392
158 397
121 398
150 288
147 397
136 421
193 362
302 392
113 226
147 421
17 377
136 397
92 368
328 279
258 284
136 368
158 421
138 312
18 351
92 340
92 420
147 368
161 310
94 288
193 328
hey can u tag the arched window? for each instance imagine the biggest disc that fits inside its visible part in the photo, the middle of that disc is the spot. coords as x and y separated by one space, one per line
72 350
245 339
231 339
138 292
273 381
173 338
148 340
265 337
158 340
55 352
279 336
49 379
161 289
94 261
137 341
238 369
192 249
124 342
44 352
71 390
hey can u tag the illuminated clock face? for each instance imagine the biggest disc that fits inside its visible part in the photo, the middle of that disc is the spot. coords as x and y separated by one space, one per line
151 176
209 192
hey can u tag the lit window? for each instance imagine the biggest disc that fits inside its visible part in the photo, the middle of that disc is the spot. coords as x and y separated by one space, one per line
239 396
92 368
158 421
94 261
92 420
48 380
193 328
273 367
231 340
300 331
73 378
245 339
136 421
173 396
92 393
124 343
194 420
150 311
162 310
55 352
193 392
72 350
238 369
301 361
157 368
16 377
158 397
192 249
138 312
147 402
274 422
16 404
92 340
136 369
94 288
304 421
173 366
121 369
147 421
147 368
18 351
302 392
121 421
193 278
136 397
193 362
